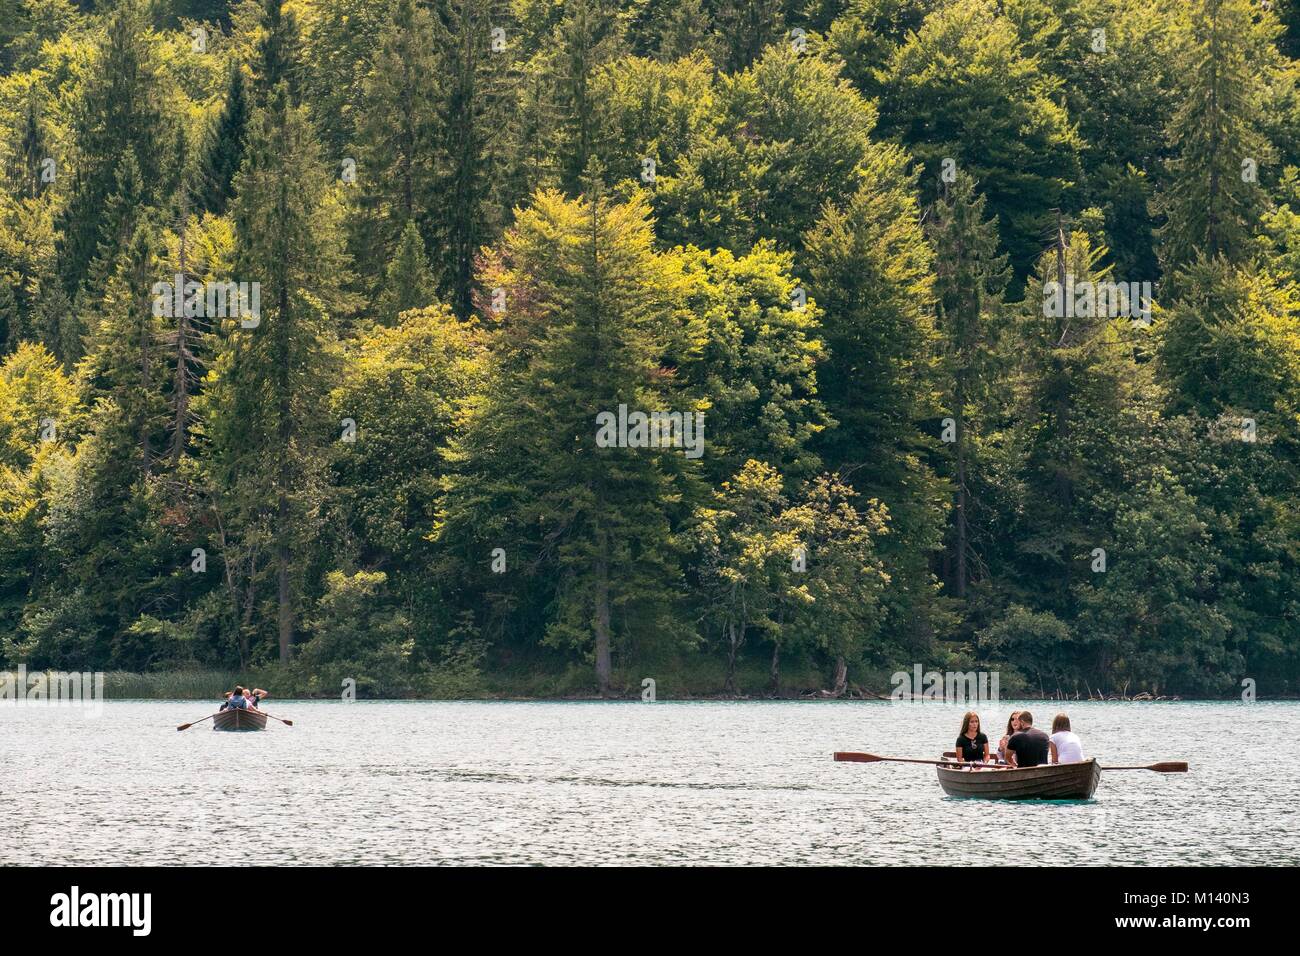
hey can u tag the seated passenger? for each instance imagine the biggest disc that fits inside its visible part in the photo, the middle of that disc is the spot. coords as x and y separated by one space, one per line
1030 747
972 745
1013 727
1065 745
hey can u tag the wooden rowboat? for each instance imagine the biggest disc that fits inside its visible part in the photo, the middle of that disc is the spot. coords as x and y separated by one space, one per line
236 719
1058 781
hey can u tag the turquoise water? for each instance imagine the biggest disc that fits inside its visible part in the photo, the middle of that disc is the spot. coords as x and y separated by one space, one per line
627 783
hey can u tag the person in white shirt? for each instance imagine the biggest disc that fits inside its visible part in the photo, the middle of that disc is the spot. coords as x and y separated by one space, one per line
1065 746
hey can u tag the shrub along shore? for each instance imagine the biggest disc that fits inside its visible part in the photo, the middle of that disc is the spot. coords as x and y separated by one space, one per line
752 683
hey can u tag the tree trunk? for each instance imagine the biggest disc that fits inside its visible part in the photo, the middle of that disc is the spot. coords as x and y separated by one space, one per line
961 501
181 378
146 383
775 670
282 573
841 682
246 625
284 433
729 686
604 670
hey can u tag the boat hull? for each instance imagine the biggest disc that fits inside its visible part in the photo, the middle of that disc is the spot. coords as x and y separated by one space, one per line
1066 781
239 720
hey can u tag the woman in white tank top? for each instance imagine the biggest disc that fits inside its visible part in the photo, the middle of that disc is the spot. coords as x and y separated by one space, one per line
1065 746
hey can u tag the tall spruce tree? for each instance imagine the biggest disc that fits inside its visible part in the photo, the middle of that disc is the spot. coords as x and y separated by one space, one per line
1213 200
125 365
120 109
224 148
279 54
397 141
589 313
870 266
476 139
265 410
409 282
591 33
26 164
970 278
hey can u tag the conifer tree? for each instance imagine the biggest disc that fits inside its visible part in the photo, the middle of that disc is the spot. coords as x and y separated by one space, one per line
124 210
119 109
279 54
265 409
125 366
409 283
476 114
397 139
962 90
970 278
591 33
1213 200
745 28
224 147
33 149
1083 421
589 314
870 275
681 30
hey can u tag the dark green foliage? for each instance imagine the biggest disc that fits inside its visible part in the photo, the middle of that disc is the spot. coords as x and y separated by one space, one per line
836 229
224 148
963 89
121 109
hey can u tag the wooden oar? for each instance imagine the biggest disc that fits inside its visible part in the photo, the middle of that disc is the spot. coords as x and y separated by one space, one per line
1168 766
188 726
872 758
273 717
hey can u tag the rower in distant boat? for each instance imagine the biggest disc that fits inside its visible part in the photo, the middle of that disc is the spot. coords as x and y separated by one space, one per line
1030 747
234 700
244 699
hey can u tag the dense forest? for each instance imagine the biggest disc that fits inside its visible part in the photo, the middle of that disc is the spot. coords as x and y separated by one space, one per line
985 313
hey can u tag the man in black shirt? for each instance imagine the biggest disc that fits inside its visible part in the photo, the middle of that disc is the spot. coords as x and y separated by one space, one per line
1029 747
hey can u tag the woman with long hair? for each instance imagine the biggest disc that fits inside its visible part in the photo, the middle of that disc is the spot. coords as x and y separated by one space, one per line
1065 746
1013 727
972 744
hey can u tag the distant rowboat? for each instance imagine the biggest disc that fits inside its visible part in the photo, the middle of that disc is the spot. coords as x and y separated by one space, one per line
1057 781
236 719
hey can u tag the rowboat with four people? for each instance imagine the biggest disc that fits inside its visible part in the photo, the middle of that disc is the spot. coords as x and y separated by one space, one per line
1056 781
989 781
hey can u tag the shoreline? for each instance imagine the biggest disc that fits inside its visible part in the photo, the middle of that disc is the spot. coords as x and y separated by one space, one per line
569 686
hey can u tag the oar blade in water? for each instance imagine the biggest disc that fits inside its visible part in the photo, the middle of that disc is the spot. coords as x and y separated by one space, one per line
856 757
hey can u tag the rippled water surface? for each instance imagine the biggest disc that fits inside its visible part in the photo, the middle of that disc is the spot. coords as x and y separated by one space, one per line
609 783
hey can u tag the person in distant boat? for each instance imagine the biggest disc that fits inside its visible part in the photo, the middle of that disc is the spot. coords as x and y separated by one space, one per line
972 744
1065 746
236 701
1030 747
1013 727
255 697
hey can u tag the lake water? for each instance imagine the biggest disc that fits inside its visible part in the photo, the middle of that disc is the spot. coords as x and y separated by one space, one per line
627 783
